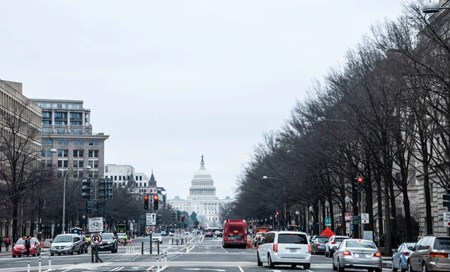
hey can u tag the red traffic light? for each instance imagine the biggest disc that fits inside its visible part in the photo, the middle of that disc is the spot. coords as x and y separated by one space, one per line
155 197
359 180
146 198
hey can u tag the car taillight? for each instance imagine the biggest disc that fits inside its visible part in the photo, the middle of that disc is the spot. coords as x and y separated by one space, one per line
438 255
309 248
406 253
275 247
377 254
333 242
347 253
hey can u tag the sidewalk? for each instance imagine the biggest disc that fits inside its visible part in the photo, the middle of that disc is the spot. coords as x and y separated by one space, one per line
4 252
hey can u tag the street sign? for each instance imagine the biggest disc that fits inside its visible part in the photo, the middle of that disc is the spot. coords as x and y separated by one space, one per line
149 229
95 224
328 221
150 219
96 238
447 219
365 218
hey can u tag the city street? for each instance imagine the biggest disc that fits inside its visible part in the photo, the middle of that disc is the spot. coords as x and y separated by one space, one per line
200 254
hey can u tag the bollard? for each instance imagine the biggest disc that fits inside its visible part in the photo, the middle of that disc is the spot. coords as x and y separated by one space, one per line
142 248
172 241
165 259
49 263
40 269
92 254
157 262
28 266
158 247
177 241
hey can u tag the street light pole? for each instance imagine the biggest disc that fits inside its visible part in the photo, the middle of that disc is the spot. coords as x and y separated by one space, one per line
284 198
64 204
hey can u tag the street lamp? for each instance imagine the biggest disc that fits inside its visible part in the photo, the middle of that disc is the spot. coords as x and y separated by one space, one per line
433 7
284 195
53 150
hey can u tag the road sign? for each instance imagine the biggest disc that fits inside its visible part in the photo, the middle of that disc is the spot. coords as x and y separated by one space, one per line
150 219
96 238
95 224
447 219
149 229
328 221
365 218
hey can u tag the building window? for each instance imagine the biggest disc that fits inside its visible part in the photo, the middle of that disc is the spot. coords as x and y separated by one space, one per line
78 142
63 163
78 163
93 153
62 153
78 153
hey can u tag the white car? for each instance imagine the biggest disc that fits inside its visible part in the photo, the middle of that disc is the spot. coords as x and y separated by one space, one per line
157 237
333 243
285 247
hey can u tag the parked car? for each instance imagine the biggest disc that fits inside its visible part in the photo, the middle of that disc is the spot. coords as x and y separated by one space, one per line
209 234
109 242
318 244
285 247
359 254
67 244
430 253
157 237
401 255
333 243
19 250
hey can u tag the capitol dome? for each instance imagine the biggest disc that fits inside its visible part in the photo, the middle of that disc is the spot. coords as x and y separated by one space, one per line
202 185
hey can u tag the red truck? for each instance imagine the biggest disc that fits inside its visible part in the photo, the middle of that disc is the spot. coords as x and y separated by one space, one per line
234 233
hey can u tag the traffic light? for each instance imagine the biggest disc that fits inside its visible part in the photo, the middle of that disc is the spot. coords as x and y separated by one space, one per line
155 202
359 180
446 198
182 218
146 202
109 189
86 189
101 189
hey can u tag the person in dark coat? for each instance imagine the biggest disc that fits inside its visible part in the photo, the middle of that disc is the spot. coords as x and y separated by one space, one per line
28 245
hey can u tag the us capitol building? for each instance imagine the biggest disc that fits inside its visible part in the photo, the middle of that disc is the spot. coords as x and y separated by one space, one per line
202 199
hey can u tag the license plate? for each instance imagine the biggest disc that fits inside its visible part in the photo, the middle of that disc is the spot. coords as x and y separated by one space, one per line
293 250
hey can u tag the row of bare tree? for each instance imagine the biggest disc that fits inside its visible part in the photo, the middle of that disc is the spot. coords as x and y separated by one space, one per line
384 115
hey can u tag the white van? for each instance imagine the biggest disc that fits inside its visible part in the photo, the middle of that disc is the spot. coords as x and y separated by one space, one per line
285 247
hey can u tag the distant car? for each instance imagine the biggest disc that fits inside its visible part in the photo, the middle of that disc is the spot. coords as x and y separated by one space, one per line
218 233
357 254
122 238
285 247
163 233
109 242
431 253
171 233
157 237
401 255
209 234
67 244
259 238
318 244
333 243
19 250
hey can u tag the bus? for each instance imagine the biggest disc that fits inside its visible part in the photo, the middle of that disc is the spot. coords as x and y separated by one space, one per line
234 233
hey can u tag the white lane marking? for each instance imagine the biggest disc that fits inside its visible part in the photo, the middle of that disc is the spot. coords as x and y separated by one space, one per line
240 268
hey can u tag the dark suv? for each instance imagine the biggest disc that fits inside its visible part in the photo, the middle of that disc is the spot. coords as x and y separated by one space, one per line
109 243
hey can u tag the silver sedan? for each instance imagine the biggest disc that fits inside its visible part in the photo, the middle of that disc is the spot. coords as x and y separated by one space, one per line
357 253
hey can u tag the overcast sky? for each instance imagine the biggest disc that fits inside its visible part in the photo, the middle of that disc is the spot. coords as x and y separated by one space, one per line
170 81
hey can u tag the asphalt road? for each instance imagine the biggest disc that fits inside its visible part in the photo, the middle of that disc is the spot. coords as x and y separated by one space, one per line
199 254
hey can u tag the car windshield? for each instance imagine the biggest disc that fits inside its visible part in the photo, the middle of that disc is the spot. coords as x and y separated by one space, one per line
442 244
107 236
340 239
63 239
292 238
321 239
20 242
121 234
360 244
156 234
410 246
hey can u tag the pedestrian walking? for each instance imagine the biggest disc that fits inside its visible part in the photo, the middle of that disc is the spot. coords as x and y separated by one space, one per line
7 243
28 245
